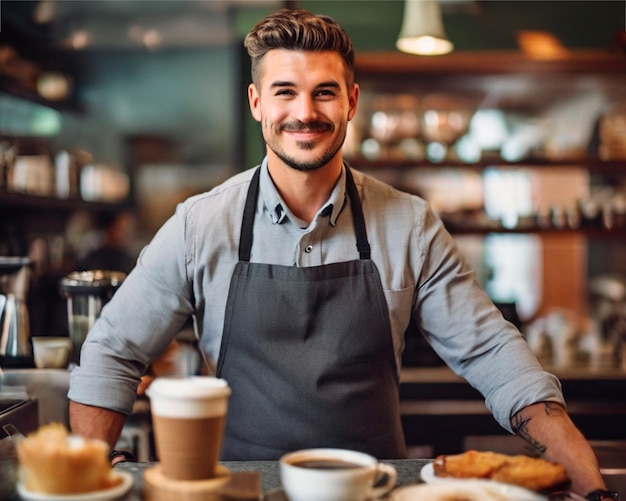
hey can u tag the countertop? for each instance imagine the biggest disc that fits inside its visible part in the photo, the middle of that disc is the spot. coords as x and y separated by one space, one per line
408 473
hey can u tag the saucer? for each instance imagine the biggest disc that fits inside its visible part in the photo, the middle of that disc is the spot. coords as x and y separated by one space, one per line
104 495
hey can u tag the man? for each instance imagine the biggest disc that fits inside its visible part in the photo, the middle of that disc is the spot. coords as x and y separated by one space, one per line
303 276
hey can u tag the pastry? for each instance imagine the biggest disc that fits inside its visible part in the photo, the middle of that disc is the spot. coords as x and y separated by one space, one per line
53 461
531 473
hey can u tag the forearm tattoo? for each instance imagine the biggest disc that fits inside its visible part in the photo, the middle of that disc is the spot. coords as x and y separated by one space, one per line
520 422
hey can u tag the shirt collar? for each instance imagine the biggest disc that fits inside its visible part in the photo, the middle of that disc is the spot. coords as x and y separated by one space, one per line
278 211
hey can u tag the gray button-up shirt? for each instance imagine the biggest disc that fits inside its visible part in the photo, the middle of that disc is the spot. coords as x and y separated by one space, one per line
187 267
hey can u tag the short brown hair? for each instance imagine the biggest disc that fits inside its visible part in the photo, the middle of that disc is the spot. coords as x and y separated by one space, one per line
298 29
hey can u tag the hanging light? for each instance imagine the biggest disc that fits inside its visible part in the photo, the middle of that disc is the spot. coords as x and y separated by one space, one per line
422 30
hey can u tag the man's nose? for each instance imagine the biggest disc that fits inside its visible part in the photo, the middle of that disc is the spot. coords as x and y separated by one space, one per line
305 108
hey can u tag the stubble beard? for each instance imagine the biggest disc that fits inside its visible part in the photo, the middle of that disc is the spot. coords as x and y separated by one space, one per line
314 164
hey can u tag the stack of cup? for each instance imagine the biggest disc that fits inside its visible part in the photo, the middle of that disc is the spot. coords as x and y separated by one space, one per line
188 419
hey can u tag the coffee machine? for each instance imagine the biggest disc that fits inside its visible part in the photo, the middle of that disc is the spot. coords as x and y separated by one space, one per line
87 292
15 342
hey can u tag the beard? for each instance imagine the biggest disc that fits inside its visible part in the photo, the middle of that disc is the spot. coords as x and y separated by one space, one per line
315 163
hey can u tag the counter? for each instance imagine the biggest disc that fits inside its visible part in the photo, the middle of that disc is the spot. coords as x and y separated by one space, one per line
408 473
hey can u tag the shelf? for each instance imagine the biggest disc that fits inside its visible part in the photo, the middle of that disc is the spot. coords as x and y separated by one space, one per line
24 201
507 80
489 63
14 88
592 165
444 375
458 229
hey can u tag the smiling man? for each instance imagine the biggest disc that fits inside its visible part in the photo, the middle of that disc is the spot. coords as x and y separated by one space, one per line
303 277
303 100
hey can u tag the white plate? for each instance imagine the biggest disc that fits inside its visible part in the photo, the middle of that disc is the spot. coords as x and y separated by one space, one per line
104 495
475 490
427 474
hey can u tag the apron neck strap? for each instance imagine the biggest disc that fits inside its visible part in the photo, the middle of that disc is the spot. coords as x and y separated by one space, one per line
362 244
245 241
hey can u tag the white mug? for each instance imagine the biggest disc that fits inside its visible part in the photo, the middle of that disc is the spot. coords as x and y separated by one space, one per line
334 475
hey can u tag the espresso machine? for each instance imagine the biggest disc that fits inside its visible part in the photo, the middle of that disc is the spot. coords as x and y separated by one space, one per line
15 342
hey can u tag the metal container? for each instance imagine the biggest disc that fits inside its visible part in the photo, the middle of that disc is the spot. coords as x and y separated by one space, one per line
14 319
87 292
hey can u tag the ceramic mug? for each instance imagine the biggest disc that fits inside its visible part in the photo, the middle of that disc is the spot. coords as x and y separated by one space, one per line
334 475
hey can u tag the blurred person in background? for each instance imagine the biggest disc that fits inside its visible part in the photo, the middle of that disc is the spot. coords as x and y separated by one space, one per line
115 250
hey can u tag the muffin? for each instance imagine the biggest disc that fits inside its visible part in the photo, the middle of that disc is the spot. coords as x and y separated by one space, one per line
53 461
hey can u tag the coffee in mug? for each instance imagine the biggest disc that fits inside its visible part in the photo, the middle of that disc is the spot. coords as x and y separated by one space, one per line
334 475
188 417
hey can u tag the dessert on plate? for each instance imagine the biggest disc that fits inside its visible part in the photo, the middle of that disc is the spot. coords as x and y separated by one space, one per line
54 461
531 473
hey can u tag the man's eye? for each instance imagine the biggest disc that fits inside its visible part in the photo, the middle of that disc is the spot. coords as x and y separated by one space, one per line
326 93
284 92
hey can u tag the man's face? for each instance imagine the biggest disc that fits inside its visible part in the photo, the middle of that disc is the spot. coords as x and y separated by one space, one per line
303 105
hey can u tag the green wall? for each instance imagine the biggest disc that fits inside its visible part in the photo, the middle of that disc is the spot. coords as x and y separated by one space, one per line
472 25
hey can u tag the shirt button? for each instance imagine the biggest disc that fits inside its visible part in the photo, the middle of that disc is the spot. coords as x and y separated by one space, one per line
308 249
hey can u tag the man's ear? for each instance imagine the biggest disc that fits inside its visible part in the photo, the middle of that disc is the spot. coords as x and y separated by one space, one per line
353 100
255 102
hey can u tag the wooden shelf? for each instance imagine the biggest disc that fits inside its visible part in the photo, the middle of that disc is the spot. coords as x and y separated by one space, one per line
457 229
590 164
489 63
444 375
507 80
25 201
16 89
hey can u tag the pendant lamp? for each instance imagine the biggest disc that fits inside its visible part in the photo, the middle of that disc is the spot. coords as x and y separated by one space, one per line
422 30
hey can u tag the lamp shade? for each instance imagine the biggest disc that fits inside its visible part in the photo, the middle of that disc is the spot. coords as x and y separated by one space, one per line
422 30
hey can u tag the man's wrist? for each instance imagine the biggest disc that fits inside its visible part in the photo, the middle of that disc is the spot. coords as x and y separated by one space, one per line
121 456
602 495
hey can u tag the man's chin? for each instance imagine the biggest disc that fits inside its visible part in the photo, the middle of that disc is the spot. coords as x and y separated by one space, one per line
305 166
304 162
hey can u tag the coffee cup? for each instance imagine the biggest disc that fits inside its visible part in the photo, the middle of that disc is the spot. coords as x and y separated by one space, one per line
334 475
188 418
51 352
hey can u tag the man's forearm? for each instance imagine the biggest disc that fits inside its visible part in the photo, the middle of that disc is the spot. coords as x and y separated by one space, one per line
96 422
549 430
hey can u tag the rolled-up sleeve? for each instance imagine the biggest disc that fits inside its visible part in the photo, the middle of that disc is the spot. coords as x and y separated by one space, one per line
469 333
138 324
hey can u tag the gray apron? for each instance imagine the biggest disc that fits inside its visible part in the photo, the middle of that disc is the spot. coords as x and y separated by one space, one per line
308 354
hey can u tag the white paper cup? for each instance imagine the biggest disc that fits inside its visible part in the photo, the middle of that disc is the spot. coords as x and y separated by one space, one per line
188 417
334 475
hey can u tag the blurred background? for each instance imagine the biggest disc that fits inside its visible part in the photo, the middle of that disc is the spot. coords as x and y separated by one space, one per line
113 111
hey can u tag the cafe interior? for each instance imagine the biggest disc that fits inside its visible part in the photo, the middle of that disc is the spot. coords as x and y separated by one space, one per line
510 121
